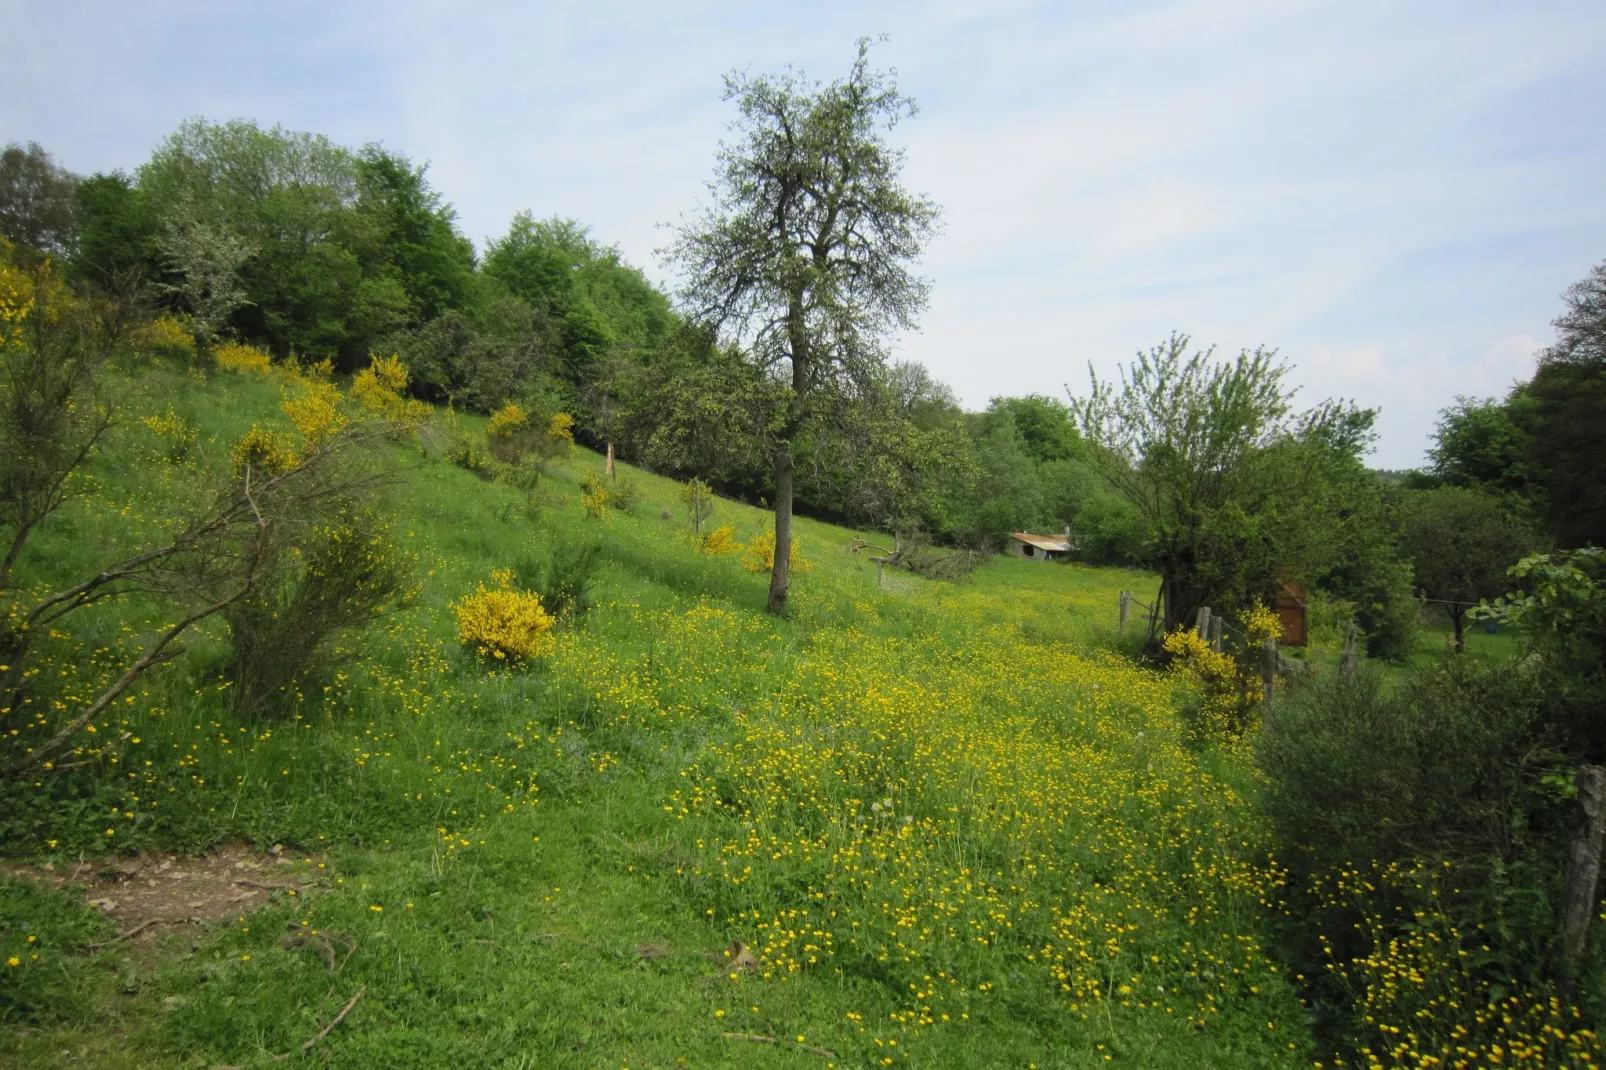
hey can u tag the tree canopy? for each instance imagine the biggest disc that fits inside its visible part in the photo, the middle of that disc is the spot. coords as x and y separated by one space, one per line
803 257
36 199
1232 484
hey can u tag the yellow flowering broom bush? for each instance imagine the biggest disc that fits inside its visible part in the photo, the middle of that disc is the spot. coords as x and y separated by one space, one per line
760 554
264 452
516 435
718 541
177 433
1231 680
595 497
247 359
166 336
504 622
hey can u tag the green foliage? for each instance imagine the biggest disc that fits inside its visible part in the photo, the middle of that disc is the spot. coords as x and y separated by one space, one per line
1541 446
497 350
332 250
117 231
1564 596
598 306
1561 608
563 572
1478 444
698 499
804 257
1234 489
1564 408
889 451
44 932
52 349
404 233
1380 788
700 408
1461 542
624 495
336 576
36 200
467 453
1047 425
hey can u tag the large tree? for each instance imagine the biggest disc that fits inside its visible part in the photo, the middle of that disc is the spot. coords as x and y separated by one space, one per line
1235 489
804 255
36 199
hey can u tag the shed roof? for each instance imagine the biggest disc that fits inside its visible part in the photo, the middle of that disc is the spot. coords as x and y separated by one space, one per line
1043 542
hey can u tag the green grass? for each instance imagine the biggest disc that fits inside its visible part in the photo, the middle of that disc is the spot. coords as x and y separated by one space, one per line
547 867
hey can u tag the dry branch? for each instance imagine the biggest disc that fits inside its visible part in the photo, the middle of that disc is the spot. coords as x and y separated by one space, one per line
309 1045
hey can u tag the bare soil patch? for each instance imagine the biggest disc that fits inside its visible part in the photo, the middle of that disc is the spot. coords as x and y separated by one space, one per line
152 893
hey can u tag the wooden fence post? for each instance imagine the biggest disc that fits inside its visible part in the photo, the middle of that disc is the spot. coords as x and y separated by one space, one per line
1126 608
1583 868
1201 624
1268 678
1216 628
1346 663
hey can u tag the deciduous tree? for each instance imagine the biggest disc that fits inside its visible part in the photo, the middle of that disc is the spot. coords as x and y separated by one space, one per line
36 199
1461 542
1231 483
804 254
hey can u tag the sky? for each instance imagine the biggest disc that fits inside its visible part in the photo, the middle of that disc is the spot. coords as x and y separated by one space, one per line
1392 195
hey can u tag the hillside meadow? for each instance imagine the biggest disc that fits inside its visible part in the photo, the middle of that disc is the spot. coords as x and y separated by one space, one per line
916 823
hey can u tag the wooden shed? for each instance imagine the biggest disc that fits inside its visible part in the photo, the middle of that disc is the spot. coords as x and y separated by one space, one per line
1291 611
1039 547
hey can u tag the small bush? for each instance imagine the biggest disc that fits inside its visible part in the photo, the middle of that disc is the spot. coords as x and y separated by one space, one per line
315 409
177 434
264 453
239 357
467 455
504 623
339 577
595 497
625 496
699 501
1425 824
760 554
720 540
166 336
517 436
562 575
1230 679
525 477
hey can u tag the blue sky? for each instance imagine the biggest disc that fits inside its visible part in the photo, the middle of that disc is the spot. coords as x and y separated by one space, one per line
1391 194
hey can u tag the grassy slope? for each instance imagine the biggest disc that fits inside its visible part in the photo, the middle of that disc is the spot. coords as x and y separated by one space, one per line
953 832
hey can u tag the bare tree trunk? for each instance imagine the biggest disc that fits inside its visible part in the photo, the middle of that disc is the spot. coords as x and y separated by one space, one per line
13 553
1583 868
1459 619
781 572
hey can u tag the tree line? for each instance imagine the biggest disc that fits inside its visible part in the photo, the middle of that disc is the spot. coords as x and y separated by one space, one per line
769 376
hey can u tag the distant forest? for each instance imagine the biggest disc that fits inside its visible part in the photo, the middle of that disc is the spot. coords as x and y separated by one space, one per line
315 251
